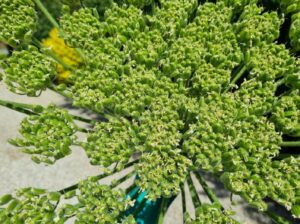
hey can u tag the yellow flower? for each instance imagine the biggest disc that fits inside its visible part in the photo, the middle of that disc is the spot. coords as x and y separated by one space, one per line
68 55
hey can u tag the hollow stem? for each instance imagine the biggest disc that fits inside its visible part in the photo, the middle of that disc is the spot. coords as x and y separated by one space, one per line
46 13
290 144
209 192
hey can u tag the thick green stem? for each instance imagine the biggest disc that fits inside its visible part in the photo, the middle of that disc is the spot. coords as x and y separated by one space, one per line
183 200
279 82
12 104
209 192
127 176
29 109
98 177
46 13
290 144
139 208
130 188
237 76
276 218
17 107
163 210
193 191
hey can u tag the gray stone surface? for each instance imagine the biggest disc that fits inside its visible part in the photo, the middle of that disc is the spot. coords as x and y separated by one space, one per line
17 170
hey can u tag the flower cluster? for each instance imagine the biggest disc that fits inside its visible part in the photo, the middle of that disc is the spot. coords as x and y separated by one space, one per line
101 204
48 135
28 71
112 142
255 27
183 85
161 173
292 7
215 43
226 135
278 180
286 114
171 16
210 213
94 203
31 205
17 21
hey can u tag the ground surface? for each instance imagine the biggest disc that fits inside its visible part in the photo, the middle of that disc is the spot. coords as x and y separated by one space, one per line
17 170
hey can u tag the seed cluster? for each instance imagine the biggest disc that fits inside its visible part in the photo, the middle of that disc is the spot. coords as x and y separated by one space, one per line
184 85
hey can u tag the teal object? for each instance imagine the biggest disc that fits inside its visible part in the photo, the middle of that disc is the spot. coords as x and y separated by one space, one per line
148 211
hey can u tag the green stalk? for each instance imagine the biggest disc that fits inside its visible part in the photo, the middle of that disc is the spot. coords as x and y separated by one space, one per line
279 82
98 177
139 208
12 104
237 76
276 218
193 191
51 54
20 107
60 92
290 144
183 200
29 109
127 176
46 13
163 210
130 188
209 192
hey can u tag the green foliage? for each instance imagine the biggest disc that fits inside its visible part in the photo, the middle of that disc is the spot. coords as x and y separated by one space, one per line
17 21
258 95
210 213
138 3
47 136
28 71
